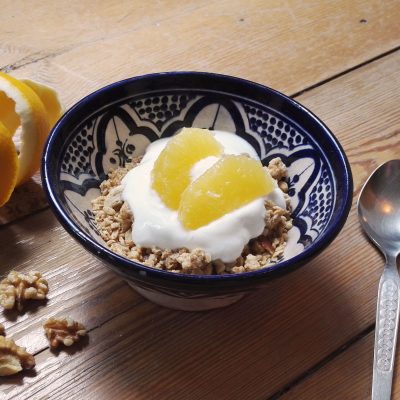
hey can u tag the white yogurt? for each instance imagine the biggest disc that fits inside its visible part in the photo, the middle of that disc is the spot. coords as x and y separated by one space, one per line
157 225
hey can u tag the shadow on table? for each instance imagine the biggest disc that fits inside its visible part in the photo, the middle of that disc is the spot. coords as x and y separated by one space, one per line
30 308
75 348
18 379
15 241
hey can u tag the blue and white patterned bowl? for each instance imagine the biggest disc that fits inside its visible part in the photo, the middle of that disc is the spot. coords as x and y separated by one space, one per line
109 127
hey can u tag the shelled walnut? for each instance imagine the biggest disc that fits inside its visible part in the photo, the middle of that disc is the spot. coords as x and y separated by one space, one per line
63 330
13 358
2 330
17 287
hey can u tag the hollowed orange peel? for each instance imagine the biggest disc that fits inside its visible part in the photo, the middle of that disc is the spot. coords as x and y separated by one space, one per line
8 164
34 108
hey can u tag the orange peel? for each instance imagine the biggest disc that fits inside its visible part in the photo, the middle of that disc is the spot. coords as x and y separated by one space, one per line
8 164
49 98
33 107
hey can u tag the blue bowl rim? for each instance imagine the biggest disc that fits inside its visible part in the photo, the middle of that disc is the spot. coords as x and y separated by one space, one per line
126 265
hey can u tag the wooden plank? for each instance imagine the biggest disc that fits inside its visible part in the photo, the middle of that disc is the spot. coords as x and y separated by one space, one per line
53 27
286 45
250 349
238 38
233 37
348 377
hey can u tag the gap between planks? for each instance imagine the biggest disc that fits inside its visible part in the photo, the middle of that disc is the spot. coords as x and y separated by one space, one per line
344 72
319 365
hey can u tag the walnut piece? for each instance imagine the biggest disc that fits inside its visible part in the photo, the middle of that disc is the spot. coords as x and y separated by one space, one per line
2 330
17 287
13 358
63 330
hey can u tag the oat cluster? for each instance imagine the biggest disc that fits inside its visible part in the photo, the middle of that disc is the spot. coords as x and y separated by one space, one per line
13 358
63 331
17 287
114 220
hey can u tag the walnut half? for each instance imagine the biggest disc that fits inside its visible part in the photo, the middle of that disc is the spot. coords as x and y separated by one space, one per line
16 288
13 358
63 330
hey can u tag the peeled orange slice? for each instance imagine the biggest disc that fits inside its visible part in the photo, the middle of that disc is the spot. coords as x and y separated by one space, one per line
171 172
34 108
232 182
8 164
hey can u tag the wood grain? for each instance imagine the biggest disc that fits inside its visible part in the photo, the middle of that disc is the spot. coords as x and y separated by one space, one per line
344 378
347 377
54 27
286 45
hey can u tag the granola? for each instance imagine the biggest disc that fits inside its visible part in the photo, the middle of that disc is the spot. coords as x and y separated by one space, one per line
114 220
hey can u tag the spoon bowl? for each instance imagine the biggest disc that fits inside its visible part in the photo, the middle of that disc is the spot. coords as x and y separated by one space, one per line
379 206
379 212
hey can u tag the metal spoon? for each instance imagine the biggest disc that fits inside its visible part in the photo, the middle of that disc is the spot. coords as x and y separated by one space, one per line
379 213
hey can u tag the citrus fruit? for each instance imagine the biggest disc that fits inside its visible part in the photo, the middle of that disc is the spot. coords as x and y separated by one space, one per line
232 182
34 108
8 164
49 98
171 172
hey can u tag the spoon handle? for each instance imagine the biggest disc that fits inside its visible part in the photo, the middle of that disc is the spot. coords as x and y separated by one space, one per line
387 318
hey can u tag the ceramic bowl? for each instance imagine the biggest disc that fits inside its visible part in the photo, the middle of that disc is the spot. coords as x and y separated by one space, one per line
110 126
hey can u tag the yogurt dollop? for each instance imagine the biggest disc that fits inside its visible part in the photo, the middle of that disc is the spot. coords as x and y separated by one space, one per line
157 225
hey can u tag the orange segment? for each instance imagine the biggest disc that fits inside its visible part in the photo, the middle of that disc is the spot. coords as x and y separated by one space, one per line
30 112
8 164
231 183
171 172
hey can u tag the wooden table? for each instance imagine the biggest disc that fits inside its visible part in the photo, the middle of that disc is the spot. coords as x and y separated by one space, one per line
306 336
